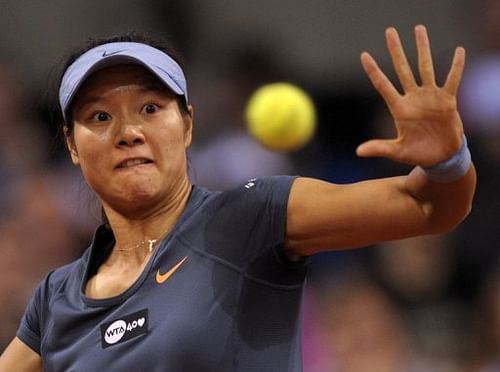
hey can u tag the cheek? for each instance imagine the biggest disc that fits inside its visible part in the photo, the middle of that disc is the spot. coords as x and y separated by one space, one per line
171 158
170 142
90 150
92 171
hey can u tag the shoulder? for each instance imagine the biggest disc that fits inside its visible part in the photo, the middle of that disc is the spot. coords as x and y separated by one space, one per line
267 184
261 188
60 277
252 193
255 205
49 288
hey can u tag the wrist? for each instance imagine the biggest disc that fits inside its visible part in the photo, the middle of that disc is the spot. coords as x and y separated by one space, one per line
452 169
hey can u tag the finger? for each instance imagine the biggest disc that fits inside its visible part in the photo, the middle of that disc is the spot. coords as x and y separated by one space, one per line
425 65
381 83
376 148
399 60
455 75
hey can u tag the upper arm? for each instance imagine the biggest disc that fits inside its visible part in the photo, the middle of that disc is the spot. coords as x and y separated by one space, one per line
19 357
325 216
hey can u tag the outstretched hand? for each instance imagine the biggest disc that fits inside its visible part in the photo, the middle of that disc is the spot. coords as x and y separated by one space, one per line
429 127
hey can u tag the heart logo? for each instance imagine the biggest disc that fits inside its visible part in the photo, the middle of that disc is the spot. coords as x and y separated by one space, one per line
141 321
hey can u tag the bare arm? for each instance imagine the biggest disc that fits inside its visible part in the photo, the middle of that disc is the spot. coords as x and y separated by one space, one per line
20 358
324 216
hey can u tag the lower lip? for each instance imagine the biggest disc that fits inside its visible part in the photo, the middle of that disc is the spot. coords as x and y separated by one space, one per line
137 166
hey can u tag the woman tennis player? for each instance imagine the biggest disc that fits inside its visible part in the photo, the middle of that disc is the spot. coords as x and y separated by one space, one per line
179 278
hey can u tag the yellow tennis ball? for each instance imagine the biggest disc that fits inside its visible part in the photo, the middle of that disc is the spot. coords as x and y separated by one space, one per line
281 116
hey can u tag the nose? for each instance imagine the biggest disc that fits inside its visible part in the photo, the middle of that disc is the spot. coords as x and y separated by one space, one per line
130 135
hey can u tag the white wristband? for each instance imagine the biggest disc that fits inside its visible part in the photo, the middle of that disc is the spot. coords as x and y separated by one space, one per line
452 169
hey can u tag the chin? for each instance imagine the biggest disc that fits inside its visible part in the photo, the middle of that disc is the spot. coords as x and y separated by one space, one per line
134 200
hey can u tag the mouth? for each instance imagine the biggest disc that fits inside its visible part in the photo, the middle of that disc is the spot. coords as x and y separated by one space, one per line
133 163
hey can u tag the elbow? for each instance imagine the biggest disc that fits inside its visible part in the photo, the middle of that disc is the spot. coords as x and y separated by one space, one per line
451 224
449 219
453 206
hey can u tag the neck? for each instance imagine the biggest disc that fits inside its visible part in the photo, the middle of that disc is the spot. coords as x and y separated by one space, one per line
137 237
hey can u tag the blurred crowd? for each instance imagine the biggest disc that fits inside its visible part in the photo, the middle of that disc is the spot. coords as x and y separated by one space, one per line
430 303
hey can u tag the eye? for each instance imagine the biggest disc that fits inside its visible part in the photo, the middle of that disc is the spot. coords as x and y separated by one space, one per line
102 116
150 108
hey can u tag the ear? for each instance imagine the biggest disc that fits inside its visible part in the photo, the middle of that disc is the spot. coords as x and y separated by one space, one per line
70 144
188 126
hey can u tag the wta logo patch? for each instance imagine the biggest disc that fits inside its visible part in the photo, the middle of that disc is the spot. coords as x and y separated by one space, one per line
125 328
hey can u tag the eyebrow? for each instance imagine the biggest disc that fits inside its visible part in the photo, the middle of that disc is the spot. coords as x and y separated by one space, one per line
154 85
87 100
146 86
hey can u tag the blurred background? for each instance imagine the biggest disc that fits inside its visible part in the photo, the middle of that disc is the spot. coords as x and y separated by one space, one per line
424 304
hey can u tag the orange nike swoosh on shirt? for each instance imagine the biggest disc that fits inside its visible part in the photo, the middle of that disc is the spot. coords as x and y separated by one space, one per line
162 278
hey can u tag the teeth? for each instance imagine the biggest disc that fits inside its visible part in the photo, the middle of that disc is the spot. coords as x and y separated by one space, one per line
132 162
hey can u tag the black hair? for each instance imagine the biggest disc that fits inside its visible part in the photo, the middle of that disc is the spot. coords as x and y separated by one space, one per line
133 36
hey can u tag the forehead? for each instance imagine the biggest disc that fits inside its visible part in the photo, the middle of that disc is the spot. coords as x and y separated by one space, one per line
121 76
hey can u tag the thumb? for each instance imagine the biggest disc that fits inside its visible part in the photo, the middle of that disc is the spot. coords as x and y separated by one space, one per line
376 148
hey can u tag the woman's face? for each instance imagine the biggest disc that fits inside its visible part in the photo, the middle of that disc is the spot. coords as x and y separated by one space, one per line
130 139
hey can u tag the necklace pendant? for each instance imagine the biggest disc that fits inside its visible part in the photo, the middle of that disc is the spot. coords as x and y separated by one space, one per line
151 243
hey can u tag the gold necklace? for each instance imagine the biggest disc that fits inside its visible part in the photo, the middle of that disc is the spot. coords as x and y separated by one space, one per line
151 244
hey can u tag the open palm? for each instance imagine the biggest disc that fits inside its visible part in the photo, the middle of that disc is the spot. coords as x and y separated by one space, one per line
429 128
